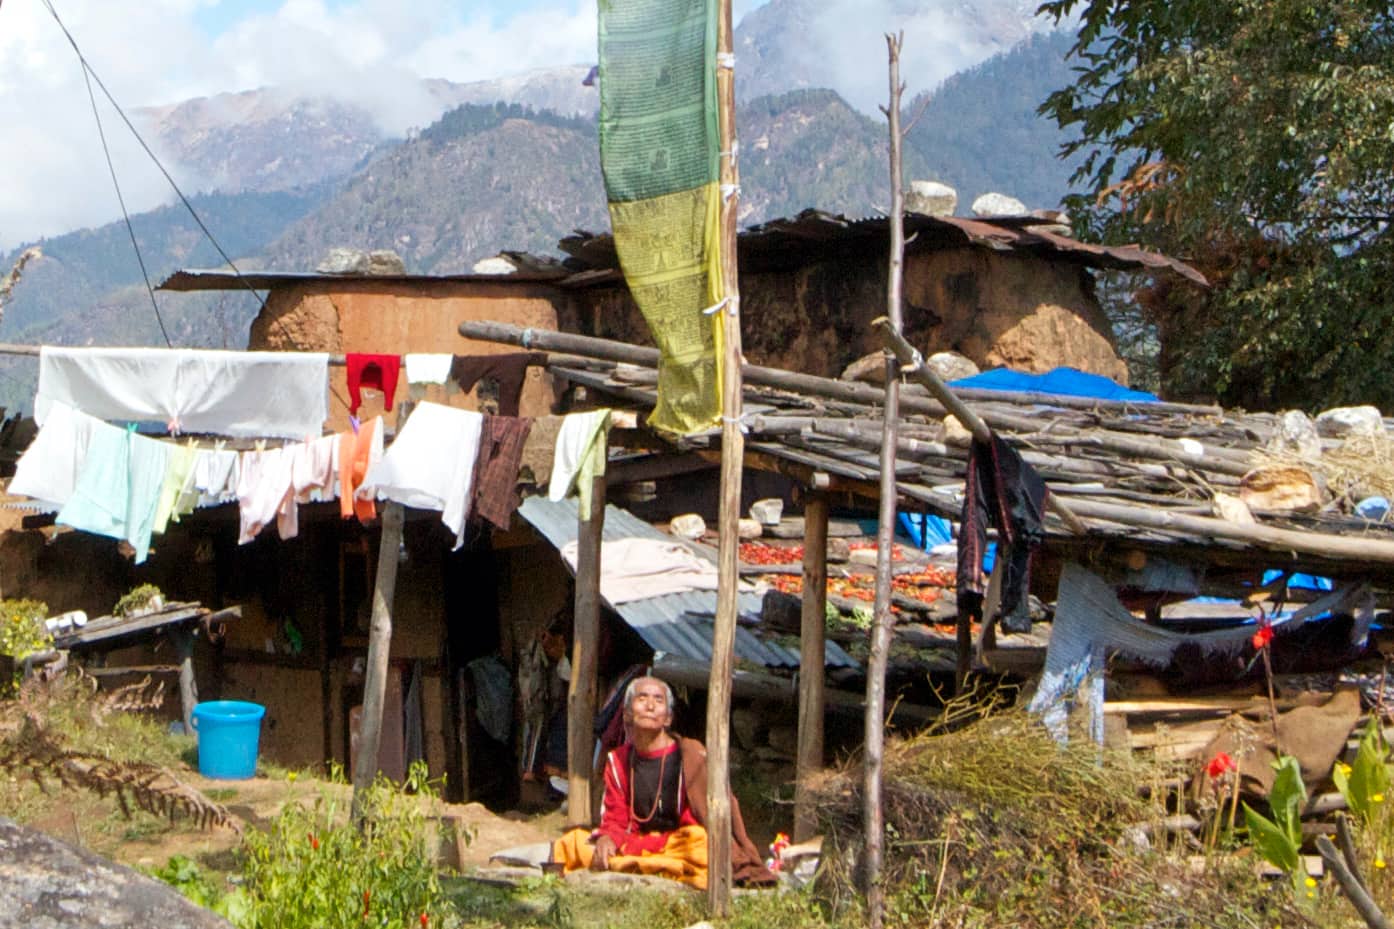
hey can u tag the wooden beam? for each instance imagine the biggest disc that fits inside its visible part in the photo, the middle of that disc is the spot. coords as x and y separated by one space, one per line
365 768
812 646
585 641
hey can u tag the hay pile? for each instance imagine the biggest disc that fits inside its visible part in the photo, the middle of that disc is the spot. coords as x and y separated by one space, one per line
994 824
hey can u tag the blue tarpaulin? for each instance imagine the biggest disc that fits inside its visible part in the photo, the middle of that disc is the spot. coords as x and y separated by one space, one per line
1069 382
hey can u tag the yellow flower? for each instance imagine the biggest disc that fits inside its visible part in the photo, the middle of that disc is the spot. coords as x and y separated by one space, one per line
1379 863
1377 798
1311 895
291 776
1345 768
1310 882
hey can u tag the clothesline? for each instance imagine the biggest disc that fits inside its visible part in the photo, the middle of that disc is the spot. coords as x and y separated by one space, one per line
115 482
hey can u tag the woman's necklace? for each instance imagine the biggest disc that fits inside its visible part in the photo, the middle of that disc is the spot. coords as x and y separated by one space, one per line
658 790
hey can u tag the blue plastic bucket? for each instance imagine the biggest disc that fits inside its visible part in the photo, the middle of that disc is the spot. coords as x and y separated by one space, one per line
228 731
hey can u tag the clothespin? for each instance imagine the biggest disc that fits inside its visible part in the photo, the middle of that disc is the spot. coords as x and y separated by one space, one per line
353 421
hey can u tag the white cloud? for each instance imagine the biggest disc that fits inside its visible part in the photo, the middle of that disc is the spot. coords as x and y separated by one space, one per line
366 51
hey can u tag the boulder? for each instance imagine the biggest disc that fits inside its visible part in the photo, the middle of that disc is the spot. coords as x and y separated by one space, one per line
931 198
1056 221
767 511
358 261
951 366
749 528
994 204
688 526
50 883
781 612
839 551
1297 435
1346 421
955 433
1285 490
869 369
495 265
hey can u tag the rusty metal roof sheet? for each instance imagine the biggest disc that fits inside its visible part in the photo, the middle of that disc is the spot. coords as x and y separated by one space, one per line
815 235
219 279
676 624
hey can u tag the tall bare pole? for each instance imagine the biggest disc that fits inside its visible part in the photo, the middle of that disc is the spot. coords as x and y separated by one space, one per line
885 531
580 717
732 456
812 642
365 766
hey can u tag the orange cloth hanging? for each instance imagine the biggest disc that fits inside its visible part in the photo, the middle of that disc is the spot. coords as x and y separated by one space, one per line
355 455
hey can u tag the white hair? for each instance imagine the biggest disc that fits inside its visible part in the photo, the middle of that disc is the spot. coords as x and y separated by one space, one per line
632 690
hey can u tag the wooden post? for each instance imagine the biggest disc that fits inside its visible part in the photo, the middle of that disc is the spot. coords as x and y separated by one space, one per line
183 638
872 813
732 459
812 629
580 700
379 646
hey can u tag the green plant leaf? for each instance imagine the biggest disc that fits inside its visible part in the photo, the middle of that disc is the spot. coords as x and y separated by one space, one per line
1271 840
1287 797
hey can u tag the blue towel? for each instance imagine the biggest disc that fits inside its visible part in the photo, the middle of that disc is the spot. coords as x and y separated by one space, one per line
118 487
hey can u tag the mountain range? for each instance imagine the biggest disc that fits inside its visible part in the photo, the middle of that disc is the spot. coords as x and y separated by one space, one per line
513 164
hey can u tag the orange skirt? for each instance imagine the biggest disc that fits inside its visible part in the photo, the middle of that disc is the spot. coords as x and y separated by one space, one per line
682 858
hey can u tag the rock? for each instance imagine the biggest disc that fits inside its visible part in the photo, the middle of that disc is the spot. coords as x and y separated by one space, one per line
702 925
1297 434
51 884
748 727
1233 510
781 612
768 511
868 369
1282 489
688 526
1346 421
1056 221
931 198
864 556
994 204
749 528
495 265
951 366
384 261
839 551
357 261
955 433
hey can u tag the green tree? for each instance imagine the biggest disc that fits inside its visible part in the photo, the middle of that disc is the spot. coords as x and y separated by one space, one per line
1255 137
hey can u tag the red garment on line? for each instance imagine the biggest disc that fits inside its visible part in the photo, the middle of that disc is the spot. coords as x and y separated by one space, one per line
370 370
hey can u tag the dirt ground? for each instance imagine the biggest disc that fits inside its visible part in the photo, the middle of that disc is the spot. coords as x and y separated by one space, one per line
146 841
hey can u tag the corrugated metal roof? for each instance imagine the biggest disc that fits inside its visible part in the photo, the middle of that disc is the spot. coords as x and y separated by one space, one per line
678 624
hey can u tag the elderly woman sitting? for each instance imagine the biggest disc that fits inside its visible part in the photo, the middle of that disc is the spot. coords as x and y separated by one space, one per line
653 815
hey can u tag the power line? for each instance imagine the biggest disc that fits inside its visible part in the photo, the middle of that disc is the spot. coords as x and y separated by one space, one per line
130 229
88 70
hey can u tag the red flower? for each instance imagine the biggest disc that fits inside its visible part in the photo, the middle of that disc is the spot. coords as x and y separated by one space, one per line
367 898
1263 636
1220 765
314 842
424 920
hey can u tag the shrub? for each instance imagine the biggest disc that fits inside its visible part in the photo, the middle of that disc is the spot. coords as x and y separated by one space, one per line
22 630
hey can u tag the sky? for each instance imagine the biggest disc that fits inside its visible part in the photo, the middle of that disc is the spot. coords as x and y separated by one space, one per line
52 174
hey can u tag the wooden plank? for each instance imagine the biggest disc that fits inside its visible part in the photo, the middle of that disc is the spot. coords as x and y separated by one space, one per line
585 643
365 768
812 644
183 639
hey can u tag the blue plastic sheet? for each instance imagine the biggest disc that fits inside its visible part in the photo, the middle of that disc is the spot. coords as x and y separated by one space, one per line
1068 382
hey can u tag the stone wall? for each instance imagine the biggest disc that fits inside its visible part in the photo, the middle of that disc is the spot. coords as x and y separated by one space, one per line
996 308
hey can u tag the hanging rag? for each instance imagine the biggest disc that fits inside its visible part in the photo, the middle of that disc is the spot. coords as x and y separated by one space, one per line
312 469
264 493
49 468
430 465
119 486
425 369
358 452
258 394
1006 492
215 475
370 370
1090 623
178 470
493 696
501 442
580 455
637 569
508 370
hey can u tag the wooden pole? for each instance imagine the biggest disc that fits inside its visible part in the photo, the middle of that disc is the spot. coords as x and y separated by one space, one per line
872 814
580 700
812 632
732 460
379 646
183 638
